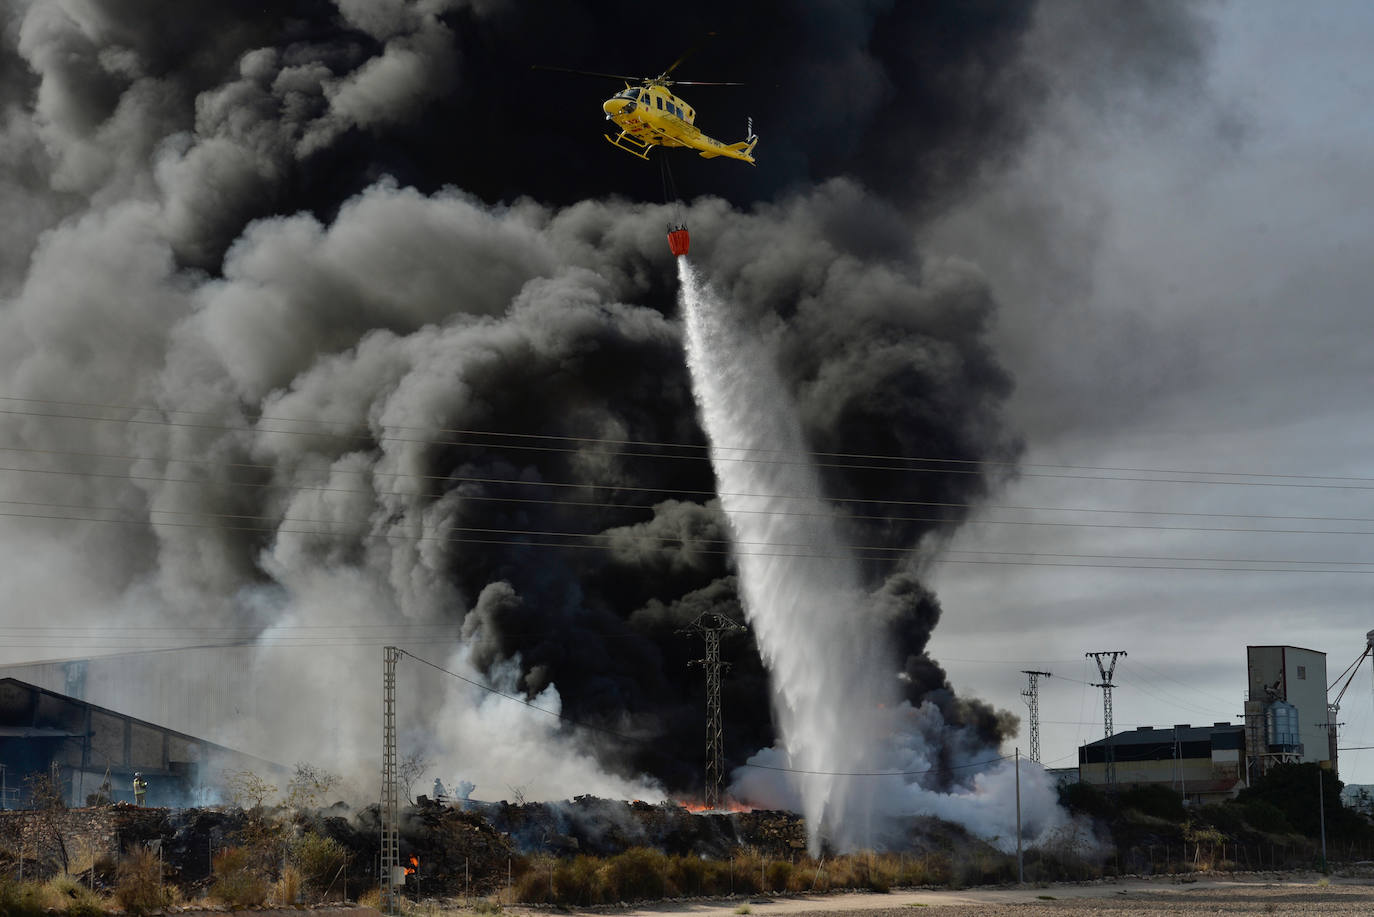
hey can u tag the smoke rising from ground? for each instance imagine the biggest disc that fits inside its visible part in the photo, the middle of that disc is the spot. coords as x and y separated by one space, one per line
272 268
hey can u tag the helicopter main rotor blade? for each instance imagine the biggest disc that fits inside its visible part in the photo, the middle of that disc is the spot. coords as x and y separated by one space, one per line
705 83
609 76
686 54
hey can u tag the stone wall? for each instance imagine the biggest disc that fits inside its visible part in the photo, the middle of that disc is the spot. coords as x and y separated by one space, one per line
48 841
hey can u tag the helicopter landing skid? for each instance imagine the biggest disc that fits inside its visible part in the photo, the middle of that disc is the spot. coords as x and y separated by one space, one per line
629 144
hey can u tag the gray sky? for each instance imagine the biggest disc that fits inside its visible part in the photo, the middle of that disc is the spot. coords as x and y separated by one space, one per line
1184 286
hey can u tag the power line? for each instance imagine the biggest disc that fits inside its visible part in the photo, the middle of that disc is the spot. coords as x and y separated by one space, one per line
665 493
443 478
1278 480
854 552
271 523
1137 664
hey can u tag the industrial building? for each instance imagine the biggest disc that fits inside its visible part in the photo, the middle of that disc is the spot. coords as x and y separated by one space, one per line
84 746
1286 713
226 701
1203 763
1287 720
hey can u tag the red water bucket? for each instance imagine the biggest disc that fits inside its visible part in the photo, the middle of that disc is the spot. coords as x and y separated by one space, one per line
678 241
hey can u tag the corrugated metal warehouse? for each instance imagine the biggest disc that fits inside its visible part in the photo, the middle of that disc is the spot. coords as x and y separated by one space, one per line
84 745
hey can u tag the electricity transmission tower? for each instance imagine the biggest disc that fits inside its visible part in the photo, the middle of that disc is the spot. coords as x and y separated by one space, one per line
390 809
1105 670
711 625
1032 696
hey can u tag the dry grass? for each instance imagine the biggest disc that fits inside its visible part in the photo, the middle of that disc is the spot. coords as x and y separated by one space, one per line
286 891
140 889
68 896
237 884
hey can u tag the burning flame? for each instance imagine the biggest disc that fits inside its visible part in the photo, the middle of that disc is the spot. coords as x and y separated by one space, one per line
414 865
727 806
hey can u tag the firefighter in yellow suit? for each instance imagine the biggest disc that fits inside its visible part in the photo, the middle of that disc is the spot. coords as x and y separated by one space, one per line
140 789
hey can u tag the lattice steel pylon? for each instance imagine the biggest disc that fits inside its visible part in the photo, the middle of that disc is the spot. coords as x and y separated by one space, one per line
1032 696
711 625
390 861
1106 670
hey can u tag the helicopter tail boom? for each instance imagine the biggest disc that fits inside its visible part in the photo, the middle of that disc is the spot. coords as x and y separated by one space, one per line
744 150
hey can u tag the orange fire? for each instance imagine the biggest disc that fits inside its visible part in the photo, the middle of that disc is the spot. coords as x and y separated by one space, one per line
726 806
414 865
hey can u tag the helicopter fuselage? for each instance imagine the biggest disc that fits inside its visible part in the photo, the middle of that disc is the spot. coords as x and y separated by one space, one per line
650 115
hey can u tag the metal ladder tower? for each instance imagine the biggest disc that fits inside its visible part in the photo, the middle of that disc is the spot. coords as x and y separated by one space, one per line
1032 696
1106 670
711 625
390 862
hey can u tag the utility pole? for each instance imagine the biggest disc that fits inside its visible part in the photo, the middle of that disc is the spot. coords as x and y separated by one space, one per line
1321 811
1105 670
390 814
1020 862
1330 726
1032 696
1333 710
711 625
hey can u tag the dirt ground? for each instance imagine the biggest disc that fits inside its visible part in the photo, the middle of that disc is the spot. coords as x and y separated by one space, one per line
1291 894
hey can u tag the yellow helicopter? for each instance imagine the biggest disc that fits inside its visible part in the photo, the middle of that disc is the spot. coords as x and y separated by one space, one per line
648 115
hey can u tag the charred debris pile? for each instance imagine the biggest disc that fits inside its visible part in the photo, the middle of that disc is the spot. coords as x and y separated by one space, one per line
577 852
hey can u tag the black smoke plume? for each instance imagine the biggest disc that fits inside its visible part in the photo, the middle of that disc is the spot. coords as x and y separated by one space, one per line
405 332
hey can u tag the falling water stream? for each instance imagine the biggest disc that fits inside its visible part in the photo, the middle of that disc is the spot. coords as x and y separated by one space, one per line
800 588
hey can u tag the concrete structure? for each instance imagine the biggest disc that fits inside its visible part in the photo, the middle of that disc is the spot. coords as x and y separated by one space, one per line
1285 708
43 731
1203 763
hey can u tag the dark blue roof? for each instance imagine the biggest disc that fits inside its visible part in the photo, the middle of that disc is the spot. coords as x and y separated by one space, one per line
1220 735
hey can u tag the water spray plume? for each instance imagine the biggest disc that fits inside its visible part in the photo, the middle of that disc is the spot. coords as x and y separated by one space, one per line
831 673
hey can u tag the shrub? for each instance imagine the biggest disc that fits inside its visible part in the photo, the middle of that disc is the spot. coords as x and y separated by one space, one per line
636 875
318 860
139 888
236 883
1156 801
743 874
308 786
286 891
932 869
1226 817
778 872
1086 799
1263 815
20 899
576 881
532 882
689 875
68 896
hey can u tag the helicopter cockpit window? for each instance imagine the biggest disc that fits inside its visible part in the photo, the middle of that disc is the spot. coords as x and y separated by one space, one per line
627 94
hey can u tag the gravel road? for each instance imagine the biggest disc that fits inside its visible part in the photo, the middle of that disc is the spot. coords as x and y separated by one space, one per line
1300 894
1276 899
